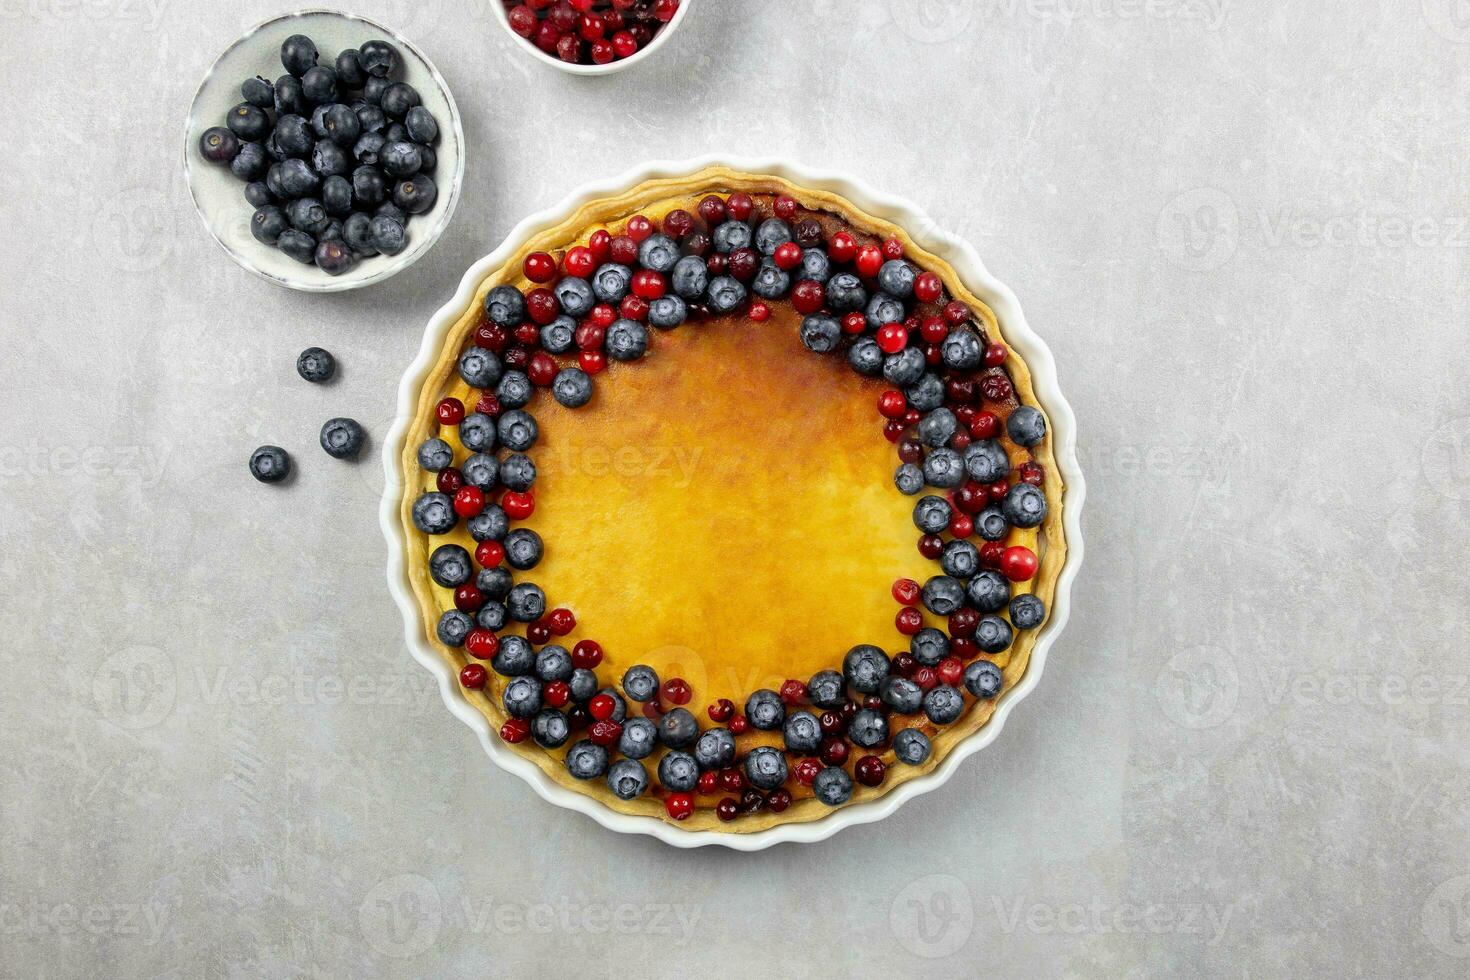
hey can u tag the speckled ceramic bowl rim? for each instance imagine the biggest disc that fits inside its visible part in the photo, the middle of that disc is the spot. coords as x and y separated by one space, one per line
421 241
1018 334
612 66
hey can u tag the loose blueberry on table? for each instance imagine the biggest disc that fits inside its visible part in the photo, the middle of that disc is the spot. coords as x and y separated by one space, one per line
965 444
336 159
584 32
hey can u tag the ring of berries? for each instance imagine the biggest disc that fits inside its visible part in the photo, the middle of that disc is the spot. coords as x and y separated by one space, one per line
969 450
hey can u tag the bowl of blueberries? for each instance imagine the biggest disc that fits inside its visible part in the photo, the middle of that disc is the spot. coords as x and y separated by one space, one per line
324 152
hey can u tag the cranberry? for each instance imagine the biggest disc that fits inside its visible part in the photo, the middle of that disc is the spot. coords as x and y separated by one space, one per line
843 246
599 243
515 730
962 622
721 711
869 260
542 369
870 770
651 710
488 404
468 599
716 264
906 591
778 800
602 706
623 249
625 44
927 287
590 335
996 387
995 355
743 263
648 284
892 338
892 404
998 490
727 809
956 312
633 307
528 334
556 694
985 426
971 498
517 357
518 506
991 551
751 801
961 525
950 670
569 48
473 676
561 621
925 678
910 450
579 262
806 771
933 329
909 621
834 752
739 725
732 779
604 731
538 632
523 20
602 51
709 781
490 336
587 654
481 643
676 690
638 228
808 295
963 648
788 255
759 311
785 207
854 323
489 554
904 664
539 267
793 693
450 411
894 430
873 703
740 205
642 33
547 37
678 805
712 209
1018 563
1032 473
592 361
678 223
592 27
808 233
696 244
449 481
469 501
582 5
961 391
930 545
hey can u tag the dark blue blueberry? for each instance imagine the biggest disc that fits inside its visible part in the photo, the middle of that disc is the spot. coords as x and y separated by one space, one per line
866 357
319 84
294 135
575 296
272 464
765 767
514 658
583 684
764 710
845 293
1024 505
626 340
492 616
342 126
865 667
611 281
290 99
488 525
771 235
248 122
770 282
802 733
678 729
372 92
826 689
369 187
1027 611
342 438
307 214
450 566
572 387
882 309
926 394
833 786
258 92
378 58
905 367
986 461
433 513
715 749
258 195
387 235
868 729
559 336
297 244
896 277
725 294
730 235
517 472
296 178
960 559
902 695
640 682
298 54
586 760
678 772
251 162
658 252
526 602
820 333
349 69
667 312
453 627
371 118
815 265
268 223
983 679
415 194
400 158
523 549
518 430
908 478
627 779
943 595
514 390
332 233
481 470
332 254
639 738
690 277
494 582
430 160
337 195
1026 426
550 728
911 746
421 125
932 514
929 646
991 524
943 704
477 432
397 99
938 427
505 306
962 350
553 662
993 634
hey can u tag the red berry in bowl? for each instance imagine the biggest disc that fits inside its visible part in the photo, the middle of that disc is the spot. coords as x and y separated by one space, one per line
518 505
638 228
785 207
473 676
842 247
892 404
602 706
727 809
648 284
906 591
468 599
602 52
909 621
561 621
600 244
489 554
927 287
481 643
676 690
541 369
807 296
933 329
515 730
759 311
854 323
592 27
793 693
1018 563
788 255
556 694
626 45
469 501
892 338
623 249
679 805
569 48
806 771
587 654
995 355
712 209
956 312
450 411
870 770
740 205
523 20
579 261
678 223
592 361
539 267
721 711
869 260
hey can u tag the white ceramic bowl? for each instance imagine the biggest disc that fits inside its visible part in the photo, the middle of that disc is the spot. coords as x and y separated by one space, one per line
219 196
612 66
969 267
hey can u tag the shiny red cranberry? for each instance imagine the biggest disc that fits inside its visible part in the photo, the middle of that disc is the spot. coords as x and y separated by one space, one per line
638 228
998 490
649 284
785 207
854 323
602 51
990 553
870 771
578 261
727 809
450 411
904 664
963 648
961 525
542 369
589 335
592 27
996 387
547 37
1018 563
832 723
909 621
892 338
894 429
556 694
604 731
732 779
625 45
481 643
892 248
676 690
562 621
995 355
892 404
651 709
925 678
778 800
906 591
834 752
985 426
469 501
709 781
599 243
473 676
623 249
539 267
743 263
569 48
602 706
515 730
1032 473
787 256
842 247
523 20
759 311
678 223
869 260
592 361
793 693
808 233
491 337
712 209
489 554
931 545
806 771
468 599
807 296
518 506
721 711
933 329
587 654
962 622
740 205
678 805
950 670
696 243
528 334
927 287
739 725
717 263
449 481
538 632
910 451
516 357
633 307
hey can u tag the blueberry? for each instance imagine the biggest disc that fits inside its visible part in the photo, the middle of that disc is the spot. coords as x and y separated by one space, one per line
815 265
481 470
986 461
926 394
765 767
678 772
905 367
991 524
421 125
492 616
640 682
865 668
586 760
764 710
514 657
316 365
477 432
398 99
369 186
331 233
391 210
690 277
639 738
715 749
428 160
1024 505
267 224
332 254
943 704
667 312
416 194
960 559
730 235
820 333
962 350
868 729
370 118
289 97
337 195
449 565
896 277
725 294
993 634
943 595
929 646
550 728
908 478
526 602
258 92
372 91
219 145
319 121
882 309
932 514
523 548
1027 611
479 367
559 336
911 746
342 126
258 194
294 135
298 54
802 733
611 281
270 464
488 525
1026 426
401 158
866 357
771 235
845 293
319 85
307 214
349 69
627 778
514 390
378 58
677 729
574 296
582 683
387 235
572 387
517 472
902 695
553 663
983 679
297 244
658 252
367 149
833 786
518 430
770 282
296 178
433 513
989 591
826 689
248 122
626 340
453 627
938 427
505 306
944 469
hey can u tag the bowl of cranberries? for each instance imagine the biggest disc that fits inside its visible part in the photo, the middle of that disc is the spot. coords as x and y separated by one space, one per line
591 37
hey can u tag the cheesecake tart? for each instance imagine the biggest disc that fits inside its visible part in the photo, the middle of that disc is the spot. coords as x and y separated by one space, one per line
730 504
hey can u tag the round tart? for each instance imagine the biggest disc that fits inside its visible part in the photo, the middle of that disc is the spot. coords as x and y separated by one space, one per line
730 504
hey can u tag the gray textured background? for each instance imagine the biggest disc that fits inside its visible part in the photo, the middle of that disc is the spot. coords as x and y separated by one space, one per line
1240 225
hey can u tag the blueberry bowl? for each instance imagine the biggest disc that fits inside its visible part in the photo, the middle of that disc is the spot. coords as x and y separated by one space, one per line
220 196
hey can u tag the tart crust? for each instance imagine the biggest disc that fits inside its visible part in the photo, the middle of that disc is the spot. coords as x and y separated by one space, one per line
655 198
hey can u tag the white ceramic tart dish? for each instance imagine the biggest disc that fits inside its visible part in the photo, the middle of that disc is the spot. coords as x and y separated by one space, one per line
675 572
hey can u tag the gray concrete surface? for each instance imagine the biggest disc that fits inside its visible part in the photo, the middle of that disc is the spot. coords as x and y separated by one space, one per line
1242 227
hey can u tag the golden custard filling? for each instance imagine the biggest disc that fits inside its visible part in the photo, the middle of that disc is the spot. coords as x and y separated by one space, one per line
723 510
